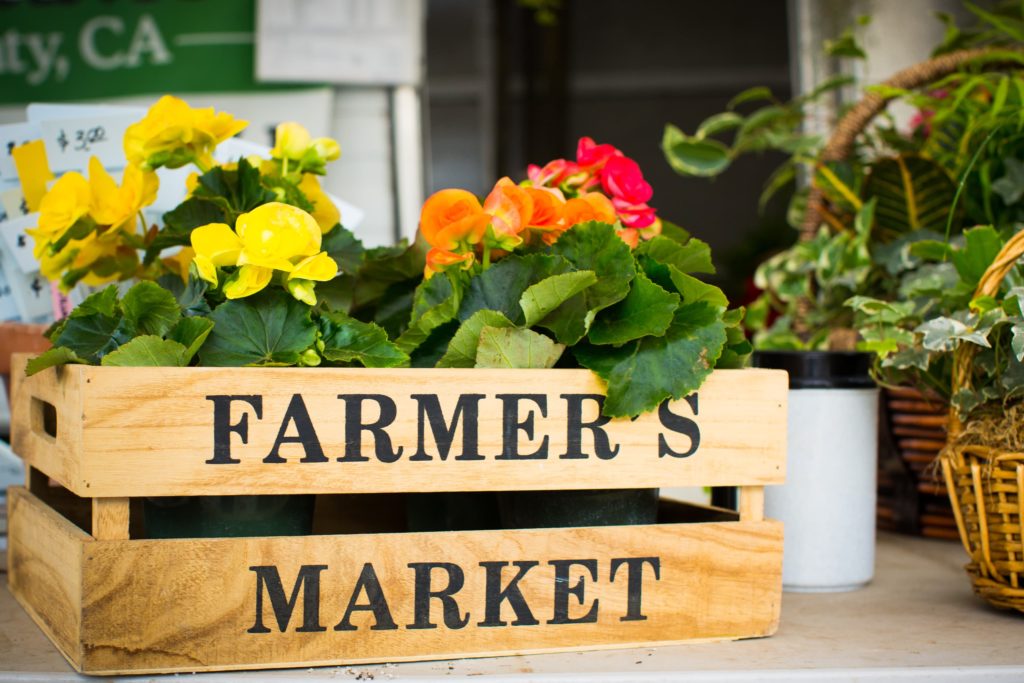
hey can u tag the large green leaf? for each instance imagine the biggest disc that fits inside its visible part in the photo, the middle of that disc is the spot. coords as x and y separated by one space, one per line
181 221
647 310
912 193
692 257
695 291
268 328
93 335
148 351
435 302
542 298
463 347
345 248
516 347
51 358
595 247
643 373
191 333
347 340
500 287
694 156
150 309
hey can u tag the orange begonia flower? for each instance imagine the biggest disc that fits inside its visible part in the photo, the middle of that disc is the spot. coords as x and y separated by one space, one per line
451 217
592 206
630 236
439 259
510 208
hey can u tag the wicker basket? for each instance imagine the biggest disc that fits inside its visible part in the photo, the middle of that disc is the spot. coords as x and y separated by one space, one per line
986 484
912 497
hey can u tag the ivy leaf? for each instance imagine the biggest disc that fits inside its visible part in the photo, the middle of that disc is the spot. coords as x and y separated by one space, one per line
463 347
981 247
268 328
694 156
647 310
348 340
540 299
516 347
50 358
643 373
500 287
191 333
148 351
150 309
1017 343
692 257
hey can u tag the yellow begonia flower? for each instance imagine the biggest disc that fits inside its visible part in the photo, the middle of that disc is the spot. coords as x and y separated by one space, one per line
179 263
319 267
327 149
173 134
247 280
274 234
291 141
118 206
66 202
324 211
217 243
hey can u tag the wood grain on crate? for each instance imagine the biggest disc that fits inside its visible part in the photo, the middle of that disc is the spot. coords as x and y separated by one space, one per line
150 431
143 606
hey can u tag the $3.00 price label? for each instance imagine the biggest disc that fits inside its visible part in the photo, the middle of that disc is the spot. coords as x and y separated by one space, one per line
71 142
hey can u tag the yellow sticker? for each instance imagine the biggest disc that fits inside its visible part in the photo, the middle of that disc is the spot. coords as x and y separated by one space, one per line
33 171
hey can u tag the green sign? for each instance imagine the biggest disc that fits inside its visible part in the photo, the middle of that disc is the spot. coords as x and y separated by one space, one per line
57 50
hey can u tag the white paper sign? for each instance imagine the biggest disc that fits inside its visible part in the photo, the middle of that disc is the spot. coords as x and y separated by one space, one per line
71 142
13 202
18 244
372 42
31 292
8 309
11 136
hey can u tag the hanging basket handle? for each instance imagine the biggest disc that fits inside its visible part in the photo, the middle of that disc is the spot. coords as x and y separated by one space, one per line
857 119
987 286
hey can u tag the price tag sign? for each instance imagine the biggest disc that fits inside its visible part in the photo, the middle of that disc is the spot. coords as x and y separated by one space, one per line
71 142
18 244
11 136
31 292
13 202
8 310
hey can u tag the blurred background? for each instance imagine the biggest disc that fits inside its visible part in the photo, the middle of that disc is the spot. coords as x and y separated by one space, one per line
428 94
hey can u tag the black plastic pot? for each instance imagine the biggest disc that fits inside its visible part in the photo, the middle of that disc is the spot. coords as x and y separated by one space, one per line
546 509
229 516
451 511
820 369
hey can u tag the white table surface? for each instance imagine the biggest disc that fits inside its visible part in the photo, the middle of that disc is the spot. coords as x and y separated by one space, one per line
917 621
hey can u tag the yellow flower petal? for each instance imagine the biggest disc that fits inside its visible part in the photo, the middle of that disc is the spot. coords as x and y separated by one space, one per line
327 149
218 243
320 267
290 141
206 269
274 234
66 202
246 281
325 212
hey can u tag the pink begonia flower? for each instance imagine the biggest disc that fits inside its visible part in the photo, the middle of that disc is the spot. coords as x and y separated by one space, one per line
622 178
552 174
638 215
592 156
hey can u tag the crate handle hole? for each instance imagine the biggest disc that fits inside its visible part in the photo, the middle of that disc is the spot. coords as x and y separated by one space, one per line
44 418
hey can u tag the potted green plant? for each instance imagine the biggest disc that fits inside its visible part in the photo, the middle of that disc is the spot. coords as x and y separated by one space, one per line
570 269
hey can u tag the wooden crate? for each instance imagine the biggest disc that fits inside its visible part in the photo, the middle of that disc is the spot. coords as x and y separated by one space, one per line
114 603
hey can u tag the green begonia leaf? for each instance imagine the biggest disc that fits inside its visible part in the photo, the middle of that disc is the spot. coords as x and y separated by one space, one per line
647 310
540 299
692 257
191 333
346 250
595 247
500 287
645 372
694 291
268 328
435 302
347 340
462 349
51 358
516 347
93 335
150 309
148 351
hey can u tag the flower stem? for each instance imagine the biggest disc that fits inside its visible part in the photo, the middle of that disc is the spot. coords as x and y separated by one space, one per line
205 168
487 257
